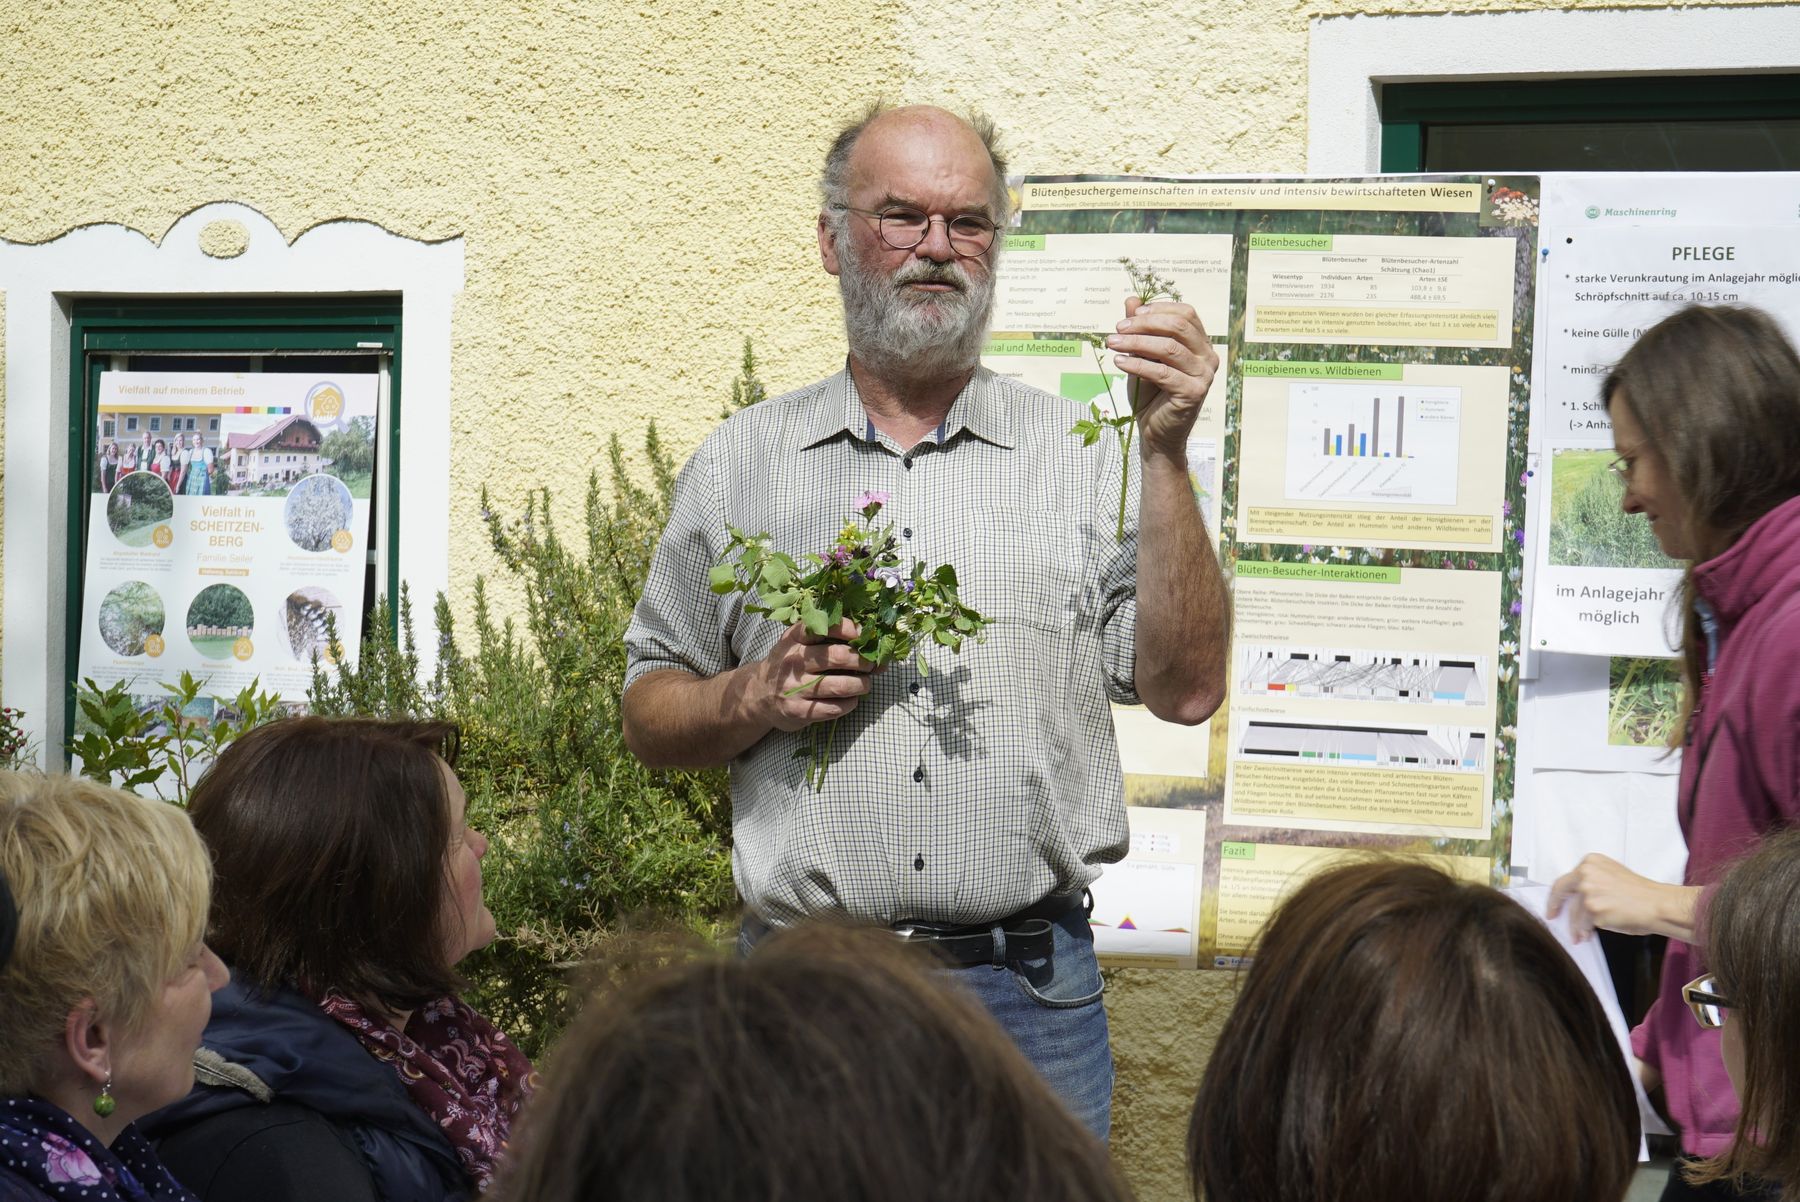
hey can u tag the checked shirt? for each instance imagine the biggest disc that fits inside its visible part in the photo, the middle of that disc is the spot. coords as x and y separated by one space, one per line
973 792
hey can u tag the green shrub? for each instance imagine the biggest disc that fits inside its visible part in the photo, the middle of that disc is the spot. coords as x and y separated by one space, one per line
585 842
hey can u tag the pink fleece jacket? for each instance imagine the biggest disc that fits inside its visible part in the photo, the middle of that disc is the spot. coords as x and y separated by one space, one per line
1740 779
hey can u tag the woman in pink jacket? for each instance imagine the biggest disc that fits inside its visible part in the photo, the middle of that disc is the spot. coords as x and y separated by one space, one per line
1705 412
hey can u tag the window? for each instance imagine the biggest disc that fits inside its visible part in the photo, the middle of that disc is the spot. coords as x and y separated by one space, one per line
131 424
1635 123
156 425
326 335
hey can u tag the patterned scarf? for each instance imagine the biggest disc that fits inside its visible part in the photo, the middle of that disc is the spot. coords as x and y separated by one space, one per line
457 1067
41 1145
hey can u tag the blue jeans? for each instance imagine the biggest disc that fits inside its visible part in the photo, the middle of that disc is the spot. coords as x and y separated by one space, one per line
1052 1009
1054 1013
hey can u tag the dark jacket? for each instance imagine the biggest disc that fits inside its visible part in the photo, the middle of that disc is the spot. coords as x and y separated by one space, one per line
288 1106
1740 779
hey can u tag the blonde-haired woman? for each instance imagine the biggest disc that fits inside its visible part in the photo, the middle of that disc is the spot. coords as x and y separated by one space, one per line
106 990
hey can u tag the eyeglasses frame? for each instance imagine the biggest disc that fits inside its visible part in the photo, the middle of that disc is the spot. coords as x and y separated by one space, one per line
880 216
1698 997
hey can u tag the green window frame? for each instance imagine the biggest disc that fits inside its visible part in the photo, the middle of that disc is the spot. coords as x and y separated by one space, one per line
1410 110
100 329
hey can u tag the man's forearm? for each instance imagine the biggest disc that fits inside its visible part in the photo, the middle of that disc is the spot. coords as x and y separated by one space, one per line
674 719
1184 608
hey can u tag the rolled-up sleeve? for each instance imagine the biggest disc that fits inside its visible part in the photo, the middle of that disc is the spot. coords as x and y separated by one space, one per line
677 620
1117 589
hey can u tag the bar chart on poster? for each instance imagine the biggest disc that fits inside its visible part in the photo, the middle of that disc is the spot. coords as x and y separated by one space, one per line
1337 449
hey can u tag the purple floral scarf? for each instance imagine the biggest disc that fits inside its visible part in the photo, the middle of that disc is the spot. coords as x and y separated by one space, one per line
48 1151
457 1067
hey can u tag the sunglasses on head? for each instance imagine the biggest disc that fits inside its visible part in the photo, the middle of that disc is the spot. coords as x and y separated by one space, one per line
1709 1005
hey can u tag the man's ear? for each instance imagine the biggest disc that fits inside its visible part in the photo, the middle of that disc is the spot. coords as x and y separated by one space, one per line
88 1041
828 250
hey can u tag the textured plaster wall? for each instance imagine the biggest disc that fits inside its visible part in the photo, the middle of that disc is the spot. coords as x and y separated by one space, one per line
634 181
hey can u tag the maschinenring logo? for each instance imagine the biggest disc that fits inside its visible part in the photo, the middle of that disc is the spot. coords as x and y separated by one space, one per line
1592 212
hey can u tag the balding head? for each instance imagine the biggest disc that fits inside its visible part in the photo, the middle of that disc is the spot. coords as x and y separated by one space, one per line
884 128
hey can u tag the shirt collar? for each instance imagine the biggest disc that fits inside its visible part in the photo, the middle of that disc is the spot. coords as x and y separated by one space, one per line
980 408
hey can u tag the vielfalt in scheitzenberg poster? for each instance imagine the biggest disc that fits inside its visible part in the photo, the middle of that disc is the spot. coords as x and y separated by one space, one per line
228 520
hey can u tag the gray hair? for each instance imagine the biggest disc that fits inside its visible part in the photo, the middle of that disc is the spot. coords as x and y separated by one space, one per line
834 184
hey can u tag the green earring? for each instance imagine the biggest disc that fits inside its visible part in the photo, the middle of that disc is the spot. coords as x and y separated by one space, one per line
104 1105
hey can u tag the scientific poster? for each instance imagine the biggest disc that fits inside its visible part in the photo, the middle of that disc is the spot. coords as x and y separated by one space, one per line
1361 458
1620 256
228 520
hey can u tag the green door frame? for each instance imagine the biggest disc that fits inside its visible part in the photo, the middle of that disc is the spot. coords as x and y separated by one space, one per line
1409 110
248 326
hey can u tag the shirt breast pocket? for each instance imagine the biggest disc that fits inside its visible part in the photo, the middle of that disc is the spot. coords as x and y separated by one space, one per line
1018 566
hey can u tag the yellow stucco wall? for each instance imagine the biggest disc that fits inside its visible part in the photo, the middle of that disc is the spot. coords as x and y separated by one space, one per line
634 183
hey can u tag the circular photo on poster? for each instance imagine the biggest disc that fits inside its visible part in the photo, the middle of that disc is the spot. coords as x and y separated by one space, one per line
217 618
129 615
310 612
317 508
137 505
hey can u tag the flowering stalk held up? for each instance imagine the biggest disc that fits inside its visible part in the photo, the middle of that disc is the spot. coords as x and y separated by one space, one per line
1148 286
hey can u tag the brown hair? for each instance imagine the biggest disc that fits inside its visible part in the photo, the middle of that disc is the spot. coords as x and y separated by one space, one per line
1717 391
832 1063
111 892
329 838
1401 1034
1751 932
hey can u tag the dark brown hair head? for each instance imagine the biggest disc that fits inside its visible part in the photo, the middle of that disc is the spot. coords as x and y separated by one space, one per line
329 838
1751 931
1401 1034
832 1063
1717 392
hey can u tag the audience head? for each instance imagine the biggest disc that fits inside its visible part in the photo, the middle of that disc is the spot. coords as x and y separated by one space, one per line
343 859
108 986
1401 1034
831 1063
1751 932
1706 412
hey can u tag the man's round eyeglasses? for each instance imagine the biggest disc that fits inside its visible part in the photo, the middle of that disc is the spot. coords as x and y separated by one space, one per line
903 228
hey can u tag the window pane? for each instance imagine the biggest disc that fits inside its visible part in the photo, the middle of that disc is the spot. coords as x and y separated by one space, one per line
1762 145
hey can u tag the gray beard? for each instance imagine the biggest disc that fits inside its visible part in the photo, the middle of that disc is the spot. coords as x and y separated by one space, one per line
932 337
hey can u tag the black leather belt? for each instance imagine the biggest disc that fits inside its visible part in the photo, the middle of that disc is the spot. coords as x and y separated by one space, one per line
1028 935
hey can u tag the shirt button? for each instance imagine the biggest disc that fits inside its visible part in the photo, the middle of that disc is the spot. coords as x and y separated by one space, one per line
918 863
906 463
913 688
918 774
906 532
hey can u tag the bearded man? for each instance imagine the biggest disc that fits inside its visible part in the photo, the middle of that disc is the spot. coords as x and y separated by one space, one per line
971 808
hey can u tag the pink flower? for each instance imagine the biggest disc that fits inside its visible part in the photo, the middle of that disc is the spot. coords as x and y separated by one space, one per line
874 496
67 1164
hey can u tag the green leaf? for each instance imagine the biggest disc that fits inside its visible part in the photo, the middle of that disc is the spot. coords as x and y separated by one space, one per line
946 637
815 620
723 579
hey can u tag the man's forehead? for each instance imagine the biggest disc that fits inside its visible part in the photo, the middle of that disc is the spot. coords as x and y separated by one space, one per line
922 143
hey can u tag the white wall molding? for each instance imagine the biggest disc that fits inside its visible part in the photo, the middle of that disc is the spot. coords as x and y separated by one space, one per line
42 280
1351 56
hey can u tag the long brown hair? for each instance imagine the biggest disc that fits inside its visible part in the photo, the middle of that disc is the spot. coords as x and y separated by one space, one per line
1403 1035
831 1063
1751 931
329 838
1717 391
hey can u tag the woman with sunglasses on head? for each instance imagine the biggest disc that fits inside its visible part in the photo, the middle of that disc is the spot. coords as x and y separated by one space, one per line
1751 997
1705 410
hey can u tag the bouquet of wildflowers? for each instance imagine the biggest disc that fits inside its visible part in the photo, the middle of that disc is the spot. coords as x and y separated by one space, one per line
898 610
1121 420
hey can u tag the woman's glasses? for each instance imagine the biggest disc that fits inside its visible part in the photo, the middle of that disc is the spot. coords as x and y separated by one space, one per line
1709 1005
